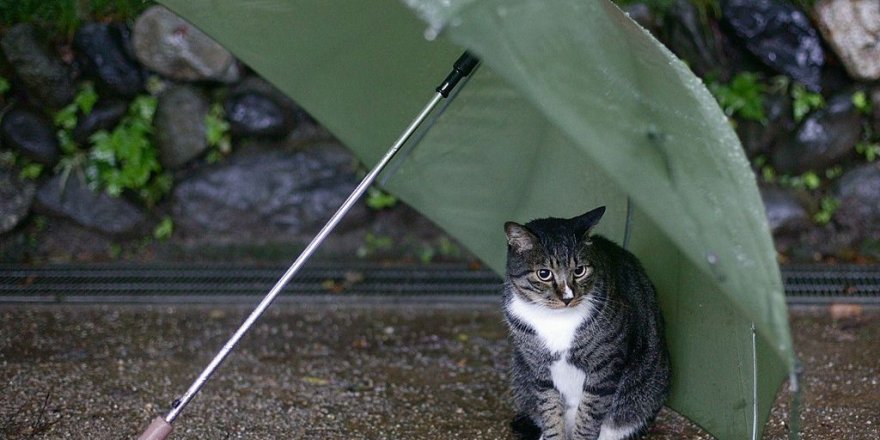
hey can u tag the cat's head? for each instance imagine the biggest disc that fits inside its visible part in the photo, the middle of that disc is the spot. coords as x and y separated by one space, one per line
549 260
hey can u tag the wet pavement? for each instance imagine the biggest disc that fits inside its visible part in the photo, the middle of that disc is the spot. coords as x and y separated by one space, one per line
360 371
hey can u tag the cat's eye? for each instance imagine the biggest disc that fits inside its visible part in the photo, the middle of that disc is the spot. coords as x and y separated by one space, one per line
580 271
544 274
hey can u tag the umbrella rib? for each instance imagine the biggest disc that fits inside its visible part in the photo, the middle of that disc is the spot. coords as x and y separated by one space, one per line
754 384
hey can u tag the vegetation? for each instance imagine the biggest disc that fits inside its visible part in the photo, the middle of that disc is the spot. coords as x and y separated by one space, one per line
122 159
217 134
742 97
126 159
378 199
61 18
803 102
861 102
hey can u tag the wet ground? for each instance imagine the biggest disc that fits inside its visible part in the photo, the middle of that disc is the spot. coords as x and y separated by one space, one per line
322 371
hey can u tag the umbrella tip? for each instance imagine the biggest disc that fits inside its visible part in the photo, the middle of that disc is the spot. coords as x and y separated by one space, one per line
462 68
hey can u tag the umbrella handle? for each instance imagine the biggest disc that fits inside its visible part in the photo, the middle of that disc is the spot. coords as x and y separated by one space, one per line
158 430
161 428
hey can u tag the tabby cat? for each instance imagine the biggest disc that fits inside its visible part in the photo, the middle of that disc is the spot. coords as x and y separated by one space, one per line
589 355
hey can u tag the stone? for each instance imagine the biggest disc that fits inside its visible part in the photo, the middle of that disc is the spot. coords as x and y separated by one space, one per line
46 78
268 195
105 115
858 192
852 29
757 137
31 133
823 138
256 108
875 109
785 214
16 197
72 198
100 46
780 35
178 50
179 125
688 38
641 13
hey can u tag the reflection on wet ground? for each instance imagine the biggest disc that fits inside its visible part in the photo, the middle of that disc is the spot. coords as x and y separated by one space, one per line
355 372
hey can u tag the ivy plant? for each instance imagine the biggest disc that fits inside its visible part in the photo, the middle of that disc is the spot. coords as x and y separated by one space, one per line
217 134
742 97
126 159
804 101
827 207
379 200
861 102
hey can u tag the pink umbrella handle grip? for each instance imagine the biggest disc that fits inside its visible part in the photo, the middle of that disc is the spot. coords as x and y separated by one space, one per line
158 430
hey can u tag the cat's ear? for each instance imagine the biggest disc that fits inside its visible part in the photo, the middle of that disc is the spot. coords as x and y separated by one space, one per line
519 238
586 222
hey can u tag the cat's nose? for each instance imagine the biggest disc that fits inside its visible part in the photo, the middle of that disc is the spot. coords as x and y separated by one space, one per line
567 300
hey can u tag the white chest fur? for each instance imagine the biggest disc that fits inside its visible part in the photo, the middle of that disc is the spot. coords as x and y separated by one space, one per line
555 327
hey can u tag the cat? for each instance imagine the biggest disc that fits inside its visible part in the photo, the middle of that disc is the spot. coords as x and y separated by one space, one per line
589 358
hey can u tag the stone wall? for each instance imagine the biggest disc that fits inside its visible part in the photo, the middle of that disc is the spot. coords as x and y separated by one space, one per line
250 173
235 167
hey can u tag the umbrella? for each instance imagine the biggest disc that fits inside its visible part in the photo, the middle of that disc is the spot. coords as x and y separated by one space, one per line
574 106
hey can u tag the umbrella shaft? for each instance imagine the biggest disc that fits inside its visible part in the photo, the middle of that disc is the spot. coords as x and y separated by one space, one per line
197 385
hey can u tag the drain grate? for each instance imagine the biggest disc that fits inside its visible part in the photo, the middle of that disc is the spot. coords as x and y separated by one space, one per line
823 284
188 283
201 283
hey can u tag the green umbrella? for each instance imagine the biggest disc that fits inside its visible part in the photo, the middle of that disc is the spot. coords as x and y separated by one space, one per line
574 106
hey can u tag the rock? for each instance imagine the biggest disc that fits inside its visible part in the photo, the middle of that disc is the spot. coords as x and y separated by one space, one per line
641 14
101 46
780 35
16 197
852 29
46 78
105 115
858 191
179 125
174 48
875 109
822 139
256 108
785 214
72 198
690 40
266 195
757 138
31 133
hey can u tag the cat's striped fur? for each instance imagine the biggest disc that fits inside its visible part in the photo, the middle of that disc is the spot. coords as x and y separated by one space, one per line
589 357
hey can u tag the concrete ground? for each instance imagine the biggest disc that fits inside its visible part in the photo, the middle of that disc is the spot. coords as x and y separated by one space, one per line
325 371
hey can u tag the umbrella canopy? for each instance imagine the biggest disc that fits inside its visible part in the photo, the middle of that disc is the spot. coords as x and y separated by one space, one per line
574 106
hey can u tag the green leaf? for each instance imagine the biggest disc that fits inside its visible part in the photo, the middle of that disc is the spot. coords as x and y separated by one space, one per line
811 180
164 229
378 199
31 171
871 151
742 97
66 117
86 98
861 102
803 102
827 207
4 85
